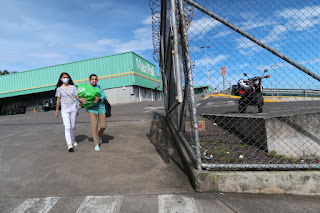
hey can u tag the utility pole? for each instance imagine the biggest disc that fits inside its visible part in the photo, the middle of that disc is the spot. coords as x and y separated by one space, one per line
275 77
205 51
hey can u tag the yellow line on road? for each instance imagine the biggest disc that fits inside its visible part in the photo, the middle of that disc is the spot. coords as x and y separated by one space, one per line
238 97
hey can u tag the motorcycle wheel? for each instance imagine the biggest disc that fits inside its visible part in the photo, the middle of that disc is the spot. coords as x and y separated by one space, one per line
260 103
242 107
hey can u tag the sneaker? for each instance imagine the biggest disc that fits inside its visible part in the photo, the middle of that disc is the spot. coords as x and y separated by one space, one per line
100 140
70 148
97 148
74 143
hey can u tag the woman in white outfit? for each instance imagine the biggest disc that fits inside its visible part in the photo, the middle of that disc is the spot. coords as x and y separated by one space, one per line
67 96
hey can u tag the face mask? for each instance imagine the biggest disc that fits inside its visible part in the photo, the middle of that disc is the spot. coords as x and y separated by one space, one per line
65 80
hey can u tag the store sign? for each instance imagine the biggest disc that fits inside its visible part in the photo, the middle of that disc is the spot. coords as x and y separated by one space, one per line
145 68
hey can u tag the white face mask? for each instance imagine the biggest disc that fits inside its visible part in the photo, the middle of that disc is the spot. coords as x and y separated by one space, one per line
65 80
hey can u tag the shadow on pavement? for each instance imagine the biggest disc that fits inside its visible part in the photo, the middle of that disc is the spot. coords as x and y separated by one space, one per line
105 138
162 139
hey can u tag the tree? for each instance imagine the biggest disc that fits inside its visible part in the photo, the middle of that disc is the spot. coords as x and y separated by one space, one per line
4 72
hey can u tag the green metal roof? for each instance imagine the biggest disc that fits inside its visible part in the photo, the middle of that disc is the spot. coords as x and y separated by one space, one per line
118 70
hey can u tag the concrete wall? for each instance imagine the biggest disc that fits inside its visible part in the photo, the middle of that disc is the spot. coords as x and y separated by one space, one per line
277 182
118 95
250 130
132 94
294 136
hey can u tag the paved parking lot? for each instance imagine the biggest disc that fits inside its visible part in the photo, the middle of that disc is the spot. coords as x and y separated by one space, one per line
229 106
134 158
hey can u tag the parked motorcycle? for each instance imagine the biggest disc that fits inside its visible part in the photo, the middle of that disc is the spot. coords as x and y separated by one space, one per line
251 93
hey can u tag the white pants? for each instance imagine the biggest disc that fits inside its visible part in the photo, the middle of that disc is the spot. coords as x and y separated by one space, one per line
69 120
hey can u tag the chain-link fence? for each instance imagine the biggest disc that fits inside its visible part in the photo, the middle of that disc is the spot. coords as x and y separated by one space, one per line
240 80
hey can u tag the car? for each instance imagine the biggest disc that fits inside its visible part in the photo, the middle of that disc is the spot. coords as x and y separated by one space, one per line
17 109
49 103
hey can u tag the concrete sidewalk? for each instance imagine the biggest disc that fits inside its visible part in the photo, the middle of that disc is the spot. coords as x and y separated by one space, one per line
137 156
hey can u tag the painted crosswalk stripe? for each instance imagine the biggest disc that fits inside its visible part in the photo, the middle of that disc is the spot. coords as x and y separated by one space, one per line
97 204
176 203
40 205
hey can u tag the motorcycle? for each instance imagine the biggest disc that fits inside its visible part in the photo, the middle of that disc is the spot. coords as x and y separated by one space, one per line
251 93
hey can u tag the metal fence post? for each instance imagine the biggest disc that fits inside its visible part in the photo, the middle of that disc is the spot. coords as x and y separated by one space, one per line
187 62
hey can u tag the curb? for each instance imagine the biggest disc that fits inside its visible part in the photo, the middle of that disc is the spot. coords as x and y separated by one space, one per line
267 182
238 97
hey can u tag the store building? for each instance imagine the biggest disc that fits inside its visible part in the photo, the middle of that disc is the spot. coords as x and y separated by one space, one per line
125 77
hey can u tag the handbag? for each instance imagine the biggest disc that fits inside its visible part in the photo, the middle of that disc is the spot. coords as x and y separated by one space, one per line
108 108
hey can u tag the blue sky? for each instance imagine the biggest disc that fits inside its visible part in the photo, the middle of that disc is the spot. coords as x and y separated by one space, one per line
40 33
291 27
37 34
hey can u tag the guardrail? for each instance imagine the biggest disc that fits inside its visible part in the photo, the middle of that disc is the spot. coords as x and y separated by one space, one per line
292 92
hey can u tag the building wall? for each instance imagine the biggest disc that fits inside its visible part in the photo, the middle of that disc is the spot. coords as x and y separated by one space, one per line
132 94
118 95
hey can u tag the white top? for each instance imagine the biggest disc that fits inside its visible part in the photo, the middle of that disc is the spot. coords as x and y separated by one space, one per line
68 96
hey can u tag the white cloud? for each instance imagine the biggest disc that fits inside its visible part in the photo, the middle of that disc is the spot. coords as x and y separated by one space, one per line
252 24
271 66
244 43
302 19
295 19
142 40
147 20
223 33
211 61
96 46
202 26
47 55
242 66
276 34
316 60
99 5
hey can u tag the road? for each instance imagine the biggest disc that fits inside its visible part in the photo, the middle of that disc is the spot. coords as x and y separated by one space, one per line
229 106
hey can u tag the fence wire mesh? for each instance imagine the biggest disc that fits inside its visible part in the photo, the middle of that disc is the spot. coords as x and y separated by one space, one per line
250 95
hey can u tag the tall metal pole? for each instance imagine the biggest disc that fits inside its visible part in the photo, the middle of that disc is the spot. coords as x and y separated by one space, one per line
224 88
275 77
205 51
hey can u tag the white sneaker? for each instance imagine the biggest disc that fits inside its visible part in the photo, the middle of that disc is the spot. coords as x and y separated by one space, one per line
74 143
70 148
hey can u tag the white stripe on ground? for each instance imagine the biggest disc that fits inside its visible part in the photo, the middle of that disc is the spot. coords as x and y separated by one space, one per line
148 109
97 204
176 203
39 205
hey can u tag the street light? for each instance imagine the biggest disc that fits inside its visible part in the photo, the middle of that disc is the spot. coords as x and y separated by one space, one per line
275 76
205 50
